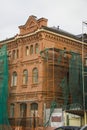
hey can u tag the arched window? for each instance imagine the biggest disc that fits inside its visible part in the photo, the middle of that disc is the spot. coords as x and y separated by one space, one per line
15 54
36 48
14 79
27 50
12 106
35 75
34 109
25 77
23 109
31 49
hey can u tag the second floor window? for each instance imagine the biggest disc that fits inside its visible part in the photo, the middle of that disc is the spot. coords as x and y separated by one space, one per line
25 77
14 79
35 75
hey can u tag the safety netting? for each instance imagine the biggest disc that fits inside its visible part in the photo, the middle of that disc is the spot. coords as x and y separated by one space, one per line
75 78
72 84
4 122
71 81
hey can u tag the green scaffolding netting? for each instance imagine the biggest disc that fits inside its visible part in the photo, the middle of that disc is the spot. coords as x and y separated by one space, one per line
72 83
4 122
75 78
72 80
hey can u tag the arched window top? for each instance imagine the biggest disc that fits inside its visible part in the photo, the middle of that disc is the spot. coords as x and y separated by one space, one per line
12 104
35 75
36 48
14 73
25 71
27 47
35 69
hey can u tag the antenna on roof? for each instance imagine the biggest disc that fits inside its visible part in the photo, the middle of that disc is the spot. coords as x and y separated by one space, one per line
58 27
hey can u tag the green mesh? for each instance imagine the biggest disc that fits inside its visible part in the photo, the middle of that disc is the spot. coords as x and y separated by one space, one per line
75 78
61 54
65 91
74 86
44 54
71 84
4 123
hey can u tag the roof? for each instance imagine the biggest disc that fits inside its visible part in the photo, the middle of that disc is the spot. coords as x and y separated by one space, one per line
62 32
83 37
58 31
76 112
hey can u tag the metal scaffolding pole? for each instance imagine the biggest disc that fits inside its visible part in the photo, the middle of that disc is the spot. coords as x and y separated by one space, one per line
83 23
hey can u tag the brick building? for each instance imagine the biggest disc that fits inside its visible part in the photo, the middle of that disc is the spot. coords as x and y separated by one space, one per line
34 73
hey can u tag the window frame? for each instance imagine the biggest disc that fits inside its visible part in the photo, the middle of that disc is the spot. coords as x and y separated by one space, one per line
27 50
35 75
23 109
34 109
25 77
31 49
36 48
14 79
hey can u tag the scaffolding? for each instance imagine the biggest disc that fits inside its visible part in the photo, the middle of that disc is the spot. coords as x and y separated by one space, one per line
4 122
71 82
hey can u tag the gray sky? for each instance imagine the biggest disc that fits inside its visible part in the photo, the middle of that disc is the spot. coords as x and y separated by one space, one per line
68 14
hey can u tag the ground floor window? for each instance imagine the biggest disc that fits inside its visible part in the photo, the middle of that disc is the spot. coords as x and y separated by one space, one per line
34 109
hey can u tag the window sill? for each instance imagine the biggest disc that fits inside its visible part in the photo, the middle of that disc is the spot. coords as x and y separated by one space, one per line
34 84
13 87
24 85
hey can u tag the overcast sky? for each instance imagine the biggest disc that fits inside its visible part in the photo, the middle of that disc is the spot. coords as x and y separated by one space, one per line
67 14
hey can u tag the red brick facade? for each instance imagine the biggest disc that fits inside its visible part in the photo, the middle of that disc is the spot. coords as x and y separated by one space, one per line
25 60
